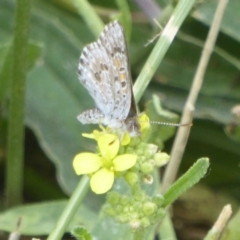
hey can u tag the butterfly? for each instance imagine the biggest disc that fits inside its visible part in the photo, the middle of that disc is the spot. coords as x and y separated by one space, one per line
104 71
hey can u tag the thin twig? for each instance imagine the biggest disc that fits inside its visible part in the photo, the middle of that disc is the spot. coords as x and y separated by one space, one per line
16 235
183 133
156 36
220 224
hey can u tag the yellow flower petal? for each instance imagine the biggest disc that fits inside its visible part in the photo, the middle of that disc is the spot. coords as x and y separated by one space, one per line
108 145
144 122
97 134
102 181
88 135
85 163
124 162
94 135
126 139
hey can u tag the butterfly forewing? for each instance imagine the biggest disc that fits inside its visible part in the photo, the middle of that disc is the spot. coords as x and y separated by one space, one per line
104 71
113 39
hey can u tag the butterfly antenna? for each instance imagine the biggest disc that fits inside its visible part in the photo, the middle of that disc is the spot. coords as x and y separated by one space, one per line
172 124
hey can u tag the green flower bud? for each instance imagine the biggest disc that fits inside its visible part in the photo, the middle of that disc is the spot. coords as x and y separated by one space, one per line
141 145
149 208
113 198
161 159
139 152
147 153
79 232
124 200
135 224
147 167
145 222
158 199
134 215
109 210
141 159
126 209
123 218
152 148
130 150
152 161
119 209
135 141
131 208
131 178
139 196
160 213
137 205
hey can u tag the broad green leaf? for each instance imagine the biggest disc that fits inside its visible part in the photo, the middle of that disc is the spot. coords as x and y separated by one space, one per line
40 218
230 24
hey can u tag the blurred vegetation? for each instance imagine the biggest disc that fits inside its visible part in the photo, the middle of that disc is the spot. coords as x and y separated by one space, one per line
54 98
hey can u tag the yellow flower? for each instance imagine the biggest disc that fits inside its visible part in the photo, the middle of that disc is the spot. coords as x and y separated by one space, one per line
144 122
103 166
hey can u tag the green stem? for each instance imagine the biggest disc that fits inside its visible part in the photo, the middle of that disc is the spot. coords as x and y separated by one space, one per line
179 15
71 208
125 17
166 229
90 16
14 165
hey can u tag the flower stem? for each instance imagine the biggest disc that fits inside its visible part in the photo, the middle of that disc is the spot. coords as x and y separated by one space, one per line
179 15
14 165
68 213
90 16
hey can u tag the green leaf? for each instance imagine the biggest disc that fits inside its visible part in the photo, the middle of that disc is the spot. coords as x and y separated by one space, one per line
81 233
191 177
230 22
39 219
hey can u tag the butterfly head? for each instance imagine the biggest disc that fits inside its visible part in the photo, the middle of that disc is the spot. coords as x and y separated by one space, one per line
132 126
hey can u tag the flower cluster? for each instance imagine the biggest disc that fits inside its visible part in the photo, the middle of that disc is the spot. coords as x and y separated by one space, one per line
140 211
119 155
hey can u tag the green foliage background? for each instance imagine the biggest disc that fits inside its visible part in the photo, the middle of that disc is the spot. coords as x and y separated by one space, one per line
55 97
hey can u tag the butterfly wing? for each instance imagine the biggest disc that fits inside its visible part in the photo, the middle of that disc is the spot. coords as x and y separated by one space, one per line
104 71
95 73
114 41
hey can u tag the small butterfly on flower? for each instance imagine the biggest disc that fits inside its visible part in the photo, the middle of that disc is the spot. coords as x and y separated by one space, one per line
104 71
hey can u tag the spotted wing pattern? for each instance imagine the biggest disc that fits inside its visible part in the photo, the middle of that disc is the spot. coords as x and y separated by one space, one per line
104 71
